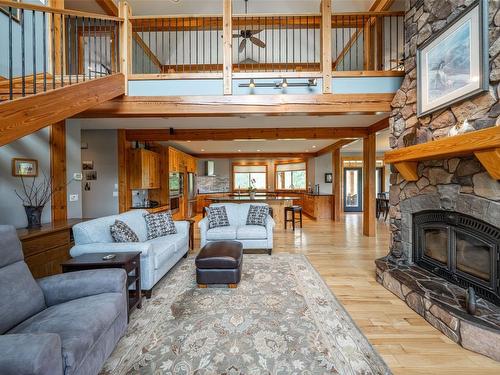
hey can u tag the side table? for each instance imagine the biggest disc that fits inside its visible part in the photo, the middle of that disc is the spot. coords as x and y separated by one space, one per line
130 262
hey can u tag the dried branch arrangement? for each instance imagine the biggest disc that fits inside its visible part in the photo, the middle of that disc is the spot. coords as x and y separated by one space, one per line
37 194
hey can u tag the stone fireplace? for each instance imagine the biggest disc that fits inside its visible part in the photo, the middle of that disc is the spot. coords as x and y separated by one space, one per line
445 227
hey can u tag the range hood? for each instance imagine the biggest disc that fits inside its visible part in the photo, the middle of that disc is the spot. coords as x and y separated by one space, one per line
209 168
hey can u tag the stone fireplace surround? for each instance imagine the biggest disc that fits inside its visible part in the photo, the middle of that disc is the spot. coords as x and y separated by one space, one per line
440 302
457 184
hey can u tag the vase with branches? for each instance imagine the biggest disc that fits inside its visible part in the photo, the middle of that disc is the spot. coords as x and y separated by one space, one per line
252 189
34 196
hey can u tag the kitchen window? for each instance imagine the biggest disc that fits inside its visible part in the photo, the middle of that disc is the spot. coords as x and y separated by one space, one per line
246 175
291 176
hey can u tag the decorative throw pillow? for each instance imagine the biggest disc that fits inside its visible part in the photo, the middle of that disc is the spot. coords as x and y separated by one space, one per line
121 232
257 215
217 217
160 224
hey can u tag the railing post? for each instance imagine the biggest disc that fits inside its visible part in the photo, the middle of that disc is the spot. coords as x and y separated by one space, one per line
326 45
56 47
367 44
227 55
125 42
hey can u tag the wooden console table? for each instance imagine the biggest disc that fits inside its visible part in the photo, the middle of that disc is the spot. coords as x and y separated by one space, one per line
47 247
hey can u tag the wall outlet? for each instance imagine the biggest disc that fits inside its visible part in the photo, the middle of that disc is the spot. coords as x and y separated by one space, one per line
73 197
116 186
77 176
115 193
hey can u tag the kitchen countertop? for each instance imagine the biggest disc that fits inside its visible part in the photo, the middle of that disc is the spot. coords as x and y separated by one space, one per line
247 198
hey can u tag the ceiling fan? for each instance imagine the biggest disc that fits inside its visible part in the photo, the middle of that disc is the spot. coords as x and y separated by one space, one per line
248 35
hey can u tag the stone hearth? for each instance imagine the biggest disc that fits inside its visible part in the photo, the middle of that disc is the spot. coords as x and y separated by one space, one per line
442 304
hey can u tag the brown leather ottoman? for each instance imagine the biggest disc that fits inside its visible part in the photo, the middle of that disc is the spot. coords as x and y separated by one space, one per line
219 263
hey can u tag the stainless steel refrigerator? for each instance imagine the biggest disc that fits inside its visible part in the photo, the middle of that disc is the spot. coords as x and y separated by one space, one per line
192 192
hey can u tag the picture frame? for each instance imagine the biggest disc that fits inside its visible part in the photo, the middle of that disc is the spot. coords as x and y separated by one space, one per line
87 165
447 77
91 175
328 178
24 167
16 12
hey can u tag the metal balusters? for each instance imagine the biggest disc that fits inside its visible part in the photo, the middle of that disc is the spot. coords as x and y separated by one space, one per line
69 70
33 25
23 55
11 73
61 32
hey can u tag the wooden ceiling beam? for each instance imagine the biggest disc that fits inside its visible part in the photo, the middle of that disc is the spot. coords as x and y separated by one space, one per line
237 105
379 125
146 135
26 115
334 146
250 155
108 6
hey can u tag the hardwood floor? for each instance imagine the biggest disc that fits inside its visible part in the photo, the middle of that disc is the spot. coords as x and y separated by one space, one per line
344 258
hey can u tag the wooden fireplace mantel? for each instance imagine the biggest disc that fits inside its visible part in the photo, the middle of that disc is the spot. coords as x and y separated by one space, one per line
484 144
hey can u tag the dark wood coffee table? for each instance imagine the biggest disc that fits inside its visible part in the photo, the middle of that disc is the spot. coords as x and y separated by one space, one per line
130 262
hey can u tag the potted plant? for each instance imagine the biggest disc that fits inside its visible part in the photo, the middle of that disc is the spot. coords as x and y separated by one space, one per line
35 196
252 189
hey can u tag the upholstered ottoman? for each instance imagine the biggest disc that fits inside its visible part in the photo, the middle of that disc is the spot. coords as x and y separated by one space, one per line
219 263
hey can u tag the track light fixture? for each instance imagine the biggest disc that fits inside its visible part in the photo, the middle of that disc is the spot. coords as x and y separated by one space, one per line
283 84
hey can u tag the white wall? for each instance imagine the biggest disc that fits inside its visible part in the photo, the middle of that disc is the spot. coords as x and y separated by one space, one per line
103 151
73 165
33 146
323 164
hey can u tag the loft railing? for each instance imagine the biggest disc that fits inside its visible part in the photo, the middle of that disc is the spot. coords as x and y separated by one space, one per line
368 41
49 48
291 44
278 43
176 44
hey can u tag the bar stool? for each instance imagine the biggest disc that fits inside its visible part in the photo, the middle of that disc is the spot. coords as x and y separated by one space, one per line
293 219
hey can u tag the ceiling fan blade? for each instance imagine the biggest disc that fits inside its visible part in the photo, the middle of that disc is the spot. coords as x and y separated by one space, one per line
236 35
242 45
255 32
258 42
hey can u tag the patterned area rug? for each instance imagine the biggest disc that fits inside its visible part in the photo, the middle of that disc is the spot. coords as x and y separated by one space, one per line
282 319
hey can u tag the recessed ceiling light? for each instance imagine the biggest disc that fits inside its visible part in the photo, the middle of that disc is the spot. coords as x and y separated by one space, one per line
314 146
258 150
188 141
239 150
307 150
202 149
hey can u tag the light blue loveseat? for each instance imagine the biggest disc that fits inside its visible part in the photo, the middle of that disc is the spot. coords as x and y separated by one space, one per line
63 324
158 255
250 236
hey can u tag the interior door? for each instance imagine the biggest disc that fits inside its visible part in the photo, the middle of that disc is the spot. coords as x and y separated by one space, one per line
353 189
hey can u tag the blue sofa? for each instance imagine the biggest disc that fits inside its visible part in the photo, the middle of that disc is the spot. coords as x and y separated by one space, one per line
63 324
158 255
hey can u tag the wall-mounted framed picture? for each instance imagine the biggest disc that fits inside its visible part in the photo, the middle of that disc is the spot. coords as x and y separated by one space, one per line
24 167
87 165
16 12
328 178
453 65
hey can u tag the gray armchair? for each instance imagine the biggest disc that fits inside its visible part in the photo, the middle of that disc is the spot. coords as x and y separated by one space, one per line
62 324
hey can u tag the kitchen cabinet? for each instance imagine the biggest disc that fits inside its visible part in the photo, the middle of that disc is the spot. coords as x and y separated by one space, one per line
318 206
179 161
144 169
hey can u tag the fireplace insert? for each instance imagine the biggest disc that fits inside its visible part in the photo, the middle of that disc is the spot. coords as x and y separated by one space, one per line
459 248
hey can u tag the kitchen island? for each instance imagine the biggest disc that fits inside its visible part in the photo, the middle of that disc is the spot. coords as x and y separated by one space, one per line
278 204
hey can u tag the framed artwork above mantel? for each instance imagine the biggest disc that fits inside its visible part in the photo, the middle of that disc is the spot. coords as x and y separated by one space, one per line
453 65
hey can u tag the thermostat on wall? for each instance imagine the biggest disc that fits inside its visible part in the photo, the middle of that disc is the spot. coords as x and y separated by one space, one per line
77 176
